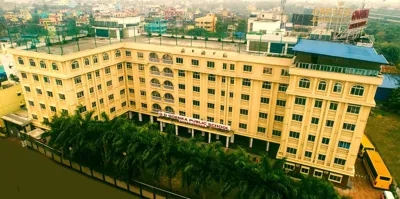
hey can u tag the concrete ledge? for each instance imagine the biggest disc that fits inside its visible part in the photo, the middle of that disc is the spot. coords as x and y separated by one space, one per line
86 170
48 153
41 149
160 197
76 166
147 194
66 162
109 179
122 184
134 189
97 175
57 158
34 146
28 143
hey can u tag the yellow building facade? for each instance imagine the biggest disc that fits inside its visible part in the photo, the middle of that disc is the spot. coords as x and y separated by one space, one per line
11 100
316 118
207 22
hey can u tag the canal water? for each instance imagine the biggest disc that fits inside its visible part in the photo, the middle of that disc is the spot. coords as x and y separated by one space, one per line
26 174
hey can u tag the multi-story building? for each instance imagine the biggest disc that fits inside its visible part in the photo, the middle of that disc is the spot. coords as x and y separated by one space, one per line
118 27
313 109
158 25
208 22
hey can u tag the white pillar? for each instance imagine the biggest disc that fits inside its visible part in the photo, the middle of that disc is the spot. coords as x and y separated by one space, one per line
227 142
161 126
233 138
209 137
189 131
269 47
151 119
164 124
251 142
286 47
130 115
192 133
217 136
176 130
140 117
203 133
267 146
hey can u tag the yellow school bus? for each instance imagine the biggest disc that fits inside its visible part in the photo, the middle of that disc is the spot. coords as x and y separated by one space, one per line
377 170
365 145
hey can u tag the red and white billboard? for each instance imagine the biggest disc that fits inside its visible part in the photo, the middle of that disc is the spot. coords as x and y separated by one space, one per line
359 19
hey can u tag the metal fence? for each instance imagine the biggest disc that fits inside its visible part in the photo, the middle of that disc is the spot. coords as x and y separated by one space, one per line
134 187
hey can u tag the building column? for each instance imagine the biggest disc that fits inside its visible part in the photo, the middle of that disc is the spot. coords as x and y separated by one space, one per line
161 126
164 124
140 117
189 131
209 137
192 133
176 130
217 137
286 47
233 138
130 115
251 142
151 119
203 133
227 142
267 146
269 47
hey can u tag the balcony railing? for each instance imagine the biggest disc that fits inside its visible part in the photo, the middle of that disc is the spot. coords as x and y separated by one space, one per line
155 110
155 85
155 72
338 69
169 87
169 100
156 98
169 74
167 61
154 59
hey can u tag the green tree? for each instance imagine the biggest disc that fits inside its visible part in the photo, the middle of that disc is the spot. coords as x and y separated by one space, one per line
390 51
242 26
394 99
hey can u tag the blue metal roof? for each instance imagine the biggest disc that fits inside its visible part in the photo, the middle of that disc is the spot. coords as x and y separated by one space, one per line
347 51
390 81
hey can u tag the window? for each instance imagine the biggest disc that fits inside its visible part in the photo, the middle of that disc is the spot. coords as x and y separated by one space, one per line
77 80
293 134
232 67
195 62
224 66
141 67
246 97
196 89
144 105
179 60
42 106
322 86
128 53
305 170
353 109
291 150
311 138
182 100
79 94
101 100
289 167
211 77
278 118
143 93
117 53
211 91
339 161
20 61
111 97
105 57
35 77
222 107
261 129
297 117
335 178
232 80
345 145
32 62
99 87
142 80
357 90
242 126
281 103
119 66
49 93
267 70
82 109
285 72
221 121
23 75
282 87
75 65
46 79
300 101
333 106
304 83
196 75
210 64
107 70
123 104
112 110
210 105
246 82
31 103
182 113
97 73
109 83
266 85
349 127
230 94
223 79
196 116
181 86
128 65
42 64
38 91
222 93
263 115
230 109
321 157
139 55
121 78
325 140
244 112
196 103
54 66
264 100
61 96
247 68
122 92
95 60
337 88
314 120
276 133
59 82
27 89
94 104
53 109
329 123
181 73
317 173
130 78
131 90
318 104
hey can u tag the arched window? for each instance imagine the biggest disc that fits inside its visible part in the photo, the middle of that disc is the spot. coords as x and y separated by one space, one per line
203 52
87 61
155 83
155 95
95 60
168 72
168 96
337 88
153 57
168 109
322 86
54 66
225 55
32 62
42 64
154 70
75 65
20 61
156 107
117 53
105 56
167 59
357 90
168 85
304 83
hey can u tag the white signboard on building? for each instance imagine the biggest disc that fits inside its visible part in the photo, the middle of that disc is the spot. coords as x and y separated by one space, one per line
195 122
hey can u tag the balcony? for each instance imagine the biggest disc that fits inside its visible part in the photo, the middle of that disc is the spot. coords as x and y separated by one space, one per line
169 100
169 87
154 60
169 74
154 110
156 98
338 69
155 72
155 85
167 61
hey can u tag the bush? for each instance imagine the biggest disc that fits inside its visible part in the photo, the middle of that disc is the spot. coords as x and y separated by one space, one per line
219 40
183 36
159 34
195 38
346 197
206 39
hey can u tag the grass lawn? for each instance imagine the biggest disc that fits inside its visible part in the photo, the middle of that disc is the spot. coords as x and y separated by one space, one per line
383 129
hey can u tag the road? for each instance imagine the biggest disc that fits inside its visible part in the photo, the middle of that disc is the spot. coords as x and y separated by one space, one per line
27 174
